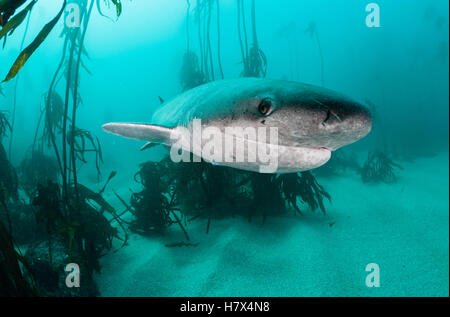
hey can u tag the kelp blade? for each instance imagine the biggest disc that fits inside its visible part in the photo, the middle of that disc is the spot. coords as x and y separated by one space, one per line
11 5
17 20
27 52
118 5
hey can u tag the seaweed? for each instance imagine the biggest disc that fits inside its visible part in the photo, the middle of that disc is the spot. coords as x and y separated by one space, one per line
5 126
204 191
311 30
77 221
36 169
16 83
155 206
190 75
305 187
198 69
81 139
202 14
219 56
7 10
54 112
256 63
84 232
11 25
8 178
30 49
253 59
12 266
116 3
24 228
9 21
379 168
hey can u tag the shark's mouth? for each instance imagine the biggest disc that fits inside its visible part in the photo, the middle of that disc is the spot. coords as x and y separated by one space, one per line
265 157
321 148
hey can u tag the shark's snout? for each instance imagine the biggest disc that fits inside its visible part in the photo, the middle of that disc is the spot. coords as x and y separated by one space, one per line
347 116
345 122
330 123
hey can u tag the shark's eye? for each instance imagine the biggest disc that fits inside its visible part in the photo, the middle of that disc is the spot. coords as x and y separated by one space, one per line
266 106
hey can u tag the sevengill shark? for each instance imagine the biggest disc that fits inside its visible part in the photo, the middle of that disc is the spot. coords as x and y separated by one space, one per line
311 122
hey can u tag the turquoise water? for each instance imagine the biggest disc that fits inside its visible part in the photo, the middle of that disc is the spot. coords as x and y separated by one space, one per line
399 70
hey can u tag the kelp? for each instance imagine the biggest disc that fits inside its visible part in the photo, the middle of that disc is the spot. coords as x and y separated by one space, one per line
12 24
204 191
379 168
81 234
201 68
110 177
37 168
22 222
8 24
77 221
256 63
5 126
8 177
16 83
117 4
54 114
305 187
8 8
84 231
30 49
155 207
271 193
190 75
13 282
219 52
12 265
85 142
311 30
253 59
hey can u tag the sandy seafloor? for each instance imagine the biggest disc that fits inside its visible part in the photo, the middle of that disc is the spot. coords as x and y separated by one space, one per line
402 227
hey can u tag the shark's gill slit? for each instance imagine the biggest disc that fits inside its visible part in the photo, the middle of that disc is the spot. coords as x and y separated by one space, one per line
329 115
324 123
336 116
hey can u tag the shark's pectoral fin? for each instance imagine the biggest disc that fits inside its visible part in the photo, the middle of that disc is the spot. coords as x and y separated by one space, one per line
155 134
149 145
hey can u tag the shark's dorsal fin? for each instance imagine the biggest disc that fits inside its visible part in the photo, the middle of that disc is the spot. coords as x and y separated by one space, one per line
145 132
161 100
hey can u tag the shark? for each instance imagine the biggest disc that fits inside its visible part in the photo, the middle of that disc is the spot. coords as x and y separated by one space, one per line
310 123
